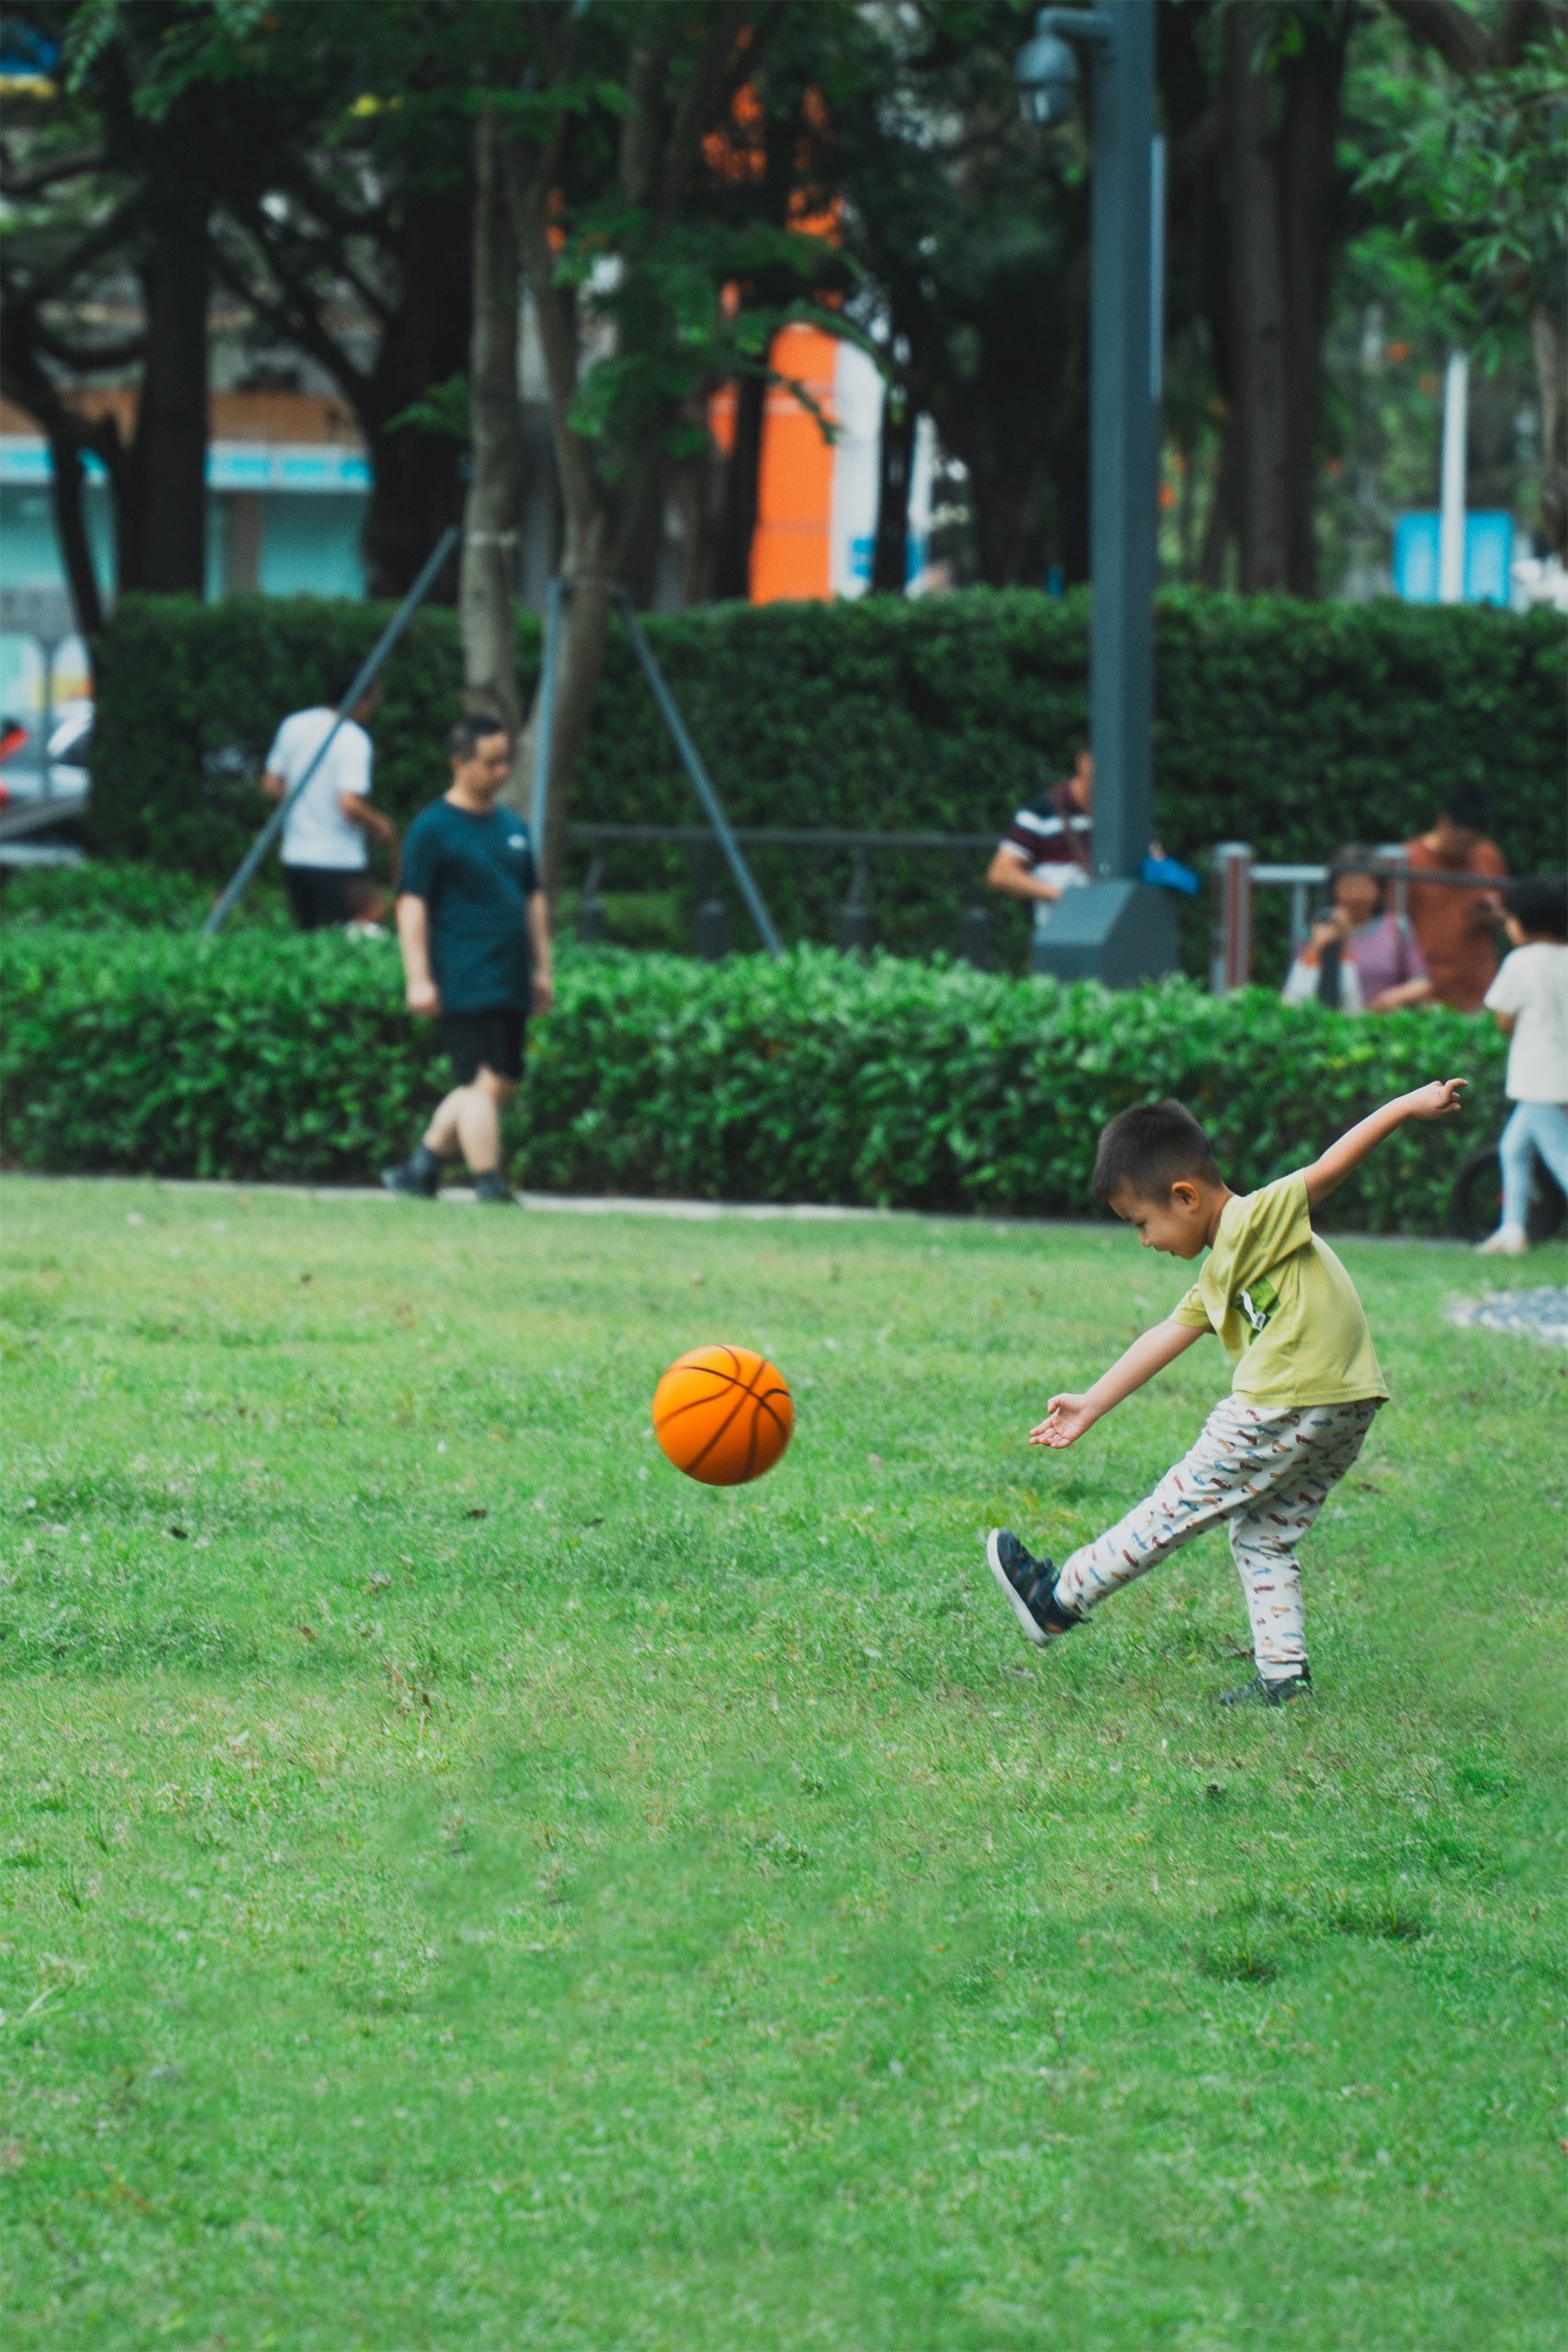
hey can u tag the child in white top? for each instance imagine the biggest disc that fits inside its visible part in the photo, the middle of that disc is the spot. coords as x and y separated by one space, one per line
1529 1000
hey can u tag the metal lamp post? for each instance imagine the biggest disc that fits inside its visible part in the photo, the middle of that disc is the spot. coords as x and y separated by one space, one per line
1117 929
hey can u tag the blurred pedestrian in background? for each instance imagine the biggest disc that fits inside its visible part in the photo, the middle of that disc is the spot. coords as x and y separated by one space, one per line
1529 999
1455 928
475 932
327 833
1049 847
1373 951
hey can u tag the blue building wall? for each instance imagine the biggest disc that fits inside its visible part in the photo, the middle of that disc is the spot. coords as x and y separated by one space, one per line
283 520
311 543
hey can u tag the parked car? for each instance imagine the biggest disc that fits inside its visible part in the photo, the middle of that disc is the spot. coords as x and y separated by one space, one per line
24 772
44 790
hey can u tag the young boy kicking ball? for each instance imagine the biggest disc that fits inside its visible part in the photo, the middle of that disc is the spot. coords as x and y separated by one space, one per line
1305 1389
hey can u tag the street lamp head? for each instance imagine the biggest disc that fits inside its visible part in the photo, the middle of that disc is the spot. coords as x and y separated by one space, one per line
1046 71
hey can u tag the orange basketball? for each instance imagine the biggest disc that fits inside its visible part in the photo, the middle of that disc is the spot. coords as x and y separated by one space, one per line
722 1415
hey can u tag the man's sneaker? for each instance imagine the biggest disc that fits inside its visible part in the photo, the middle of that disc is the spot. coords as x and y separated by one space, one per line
494 1186
419 1175
1263 1692
1031 1587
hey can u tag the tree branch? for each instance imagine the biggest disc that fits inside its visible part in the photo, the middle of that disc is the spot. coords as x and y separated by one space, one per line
49 284
640 124
14 187
700 98
1460 40
275 239
85 360
296 317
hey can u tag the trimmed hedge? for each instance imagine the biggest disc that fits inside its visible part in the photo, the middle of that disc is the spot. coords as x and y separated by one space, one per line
822 1077
109 898
1291 725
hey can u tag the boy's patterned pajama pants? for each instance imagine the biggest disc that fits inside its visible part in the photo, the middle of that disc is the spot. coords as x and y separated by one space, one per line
1265 1470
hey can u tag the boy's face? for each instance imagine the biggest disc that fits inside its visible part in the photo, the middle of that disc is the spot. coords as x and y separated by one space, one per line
1180 1226
1517 935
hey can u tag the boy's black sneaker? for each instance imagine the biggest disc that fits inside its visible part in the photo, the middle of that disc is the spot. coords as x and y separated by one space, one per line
1263 1692
494 1186
1031 1587
418 1176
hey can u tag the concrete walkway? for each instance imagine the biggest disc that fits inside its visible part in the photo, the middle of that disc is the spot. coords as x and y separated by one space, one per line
628 1204
1534 1314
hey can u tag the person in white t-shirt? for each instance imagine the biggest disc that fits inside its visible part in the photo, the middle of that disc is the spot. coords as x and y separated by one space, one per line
1529 1001
328 831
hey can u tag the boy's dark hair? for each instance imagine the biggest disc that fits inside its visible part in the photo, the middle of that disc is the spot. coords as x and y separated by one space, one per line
1147 1150
474 728
1538 904
1467 807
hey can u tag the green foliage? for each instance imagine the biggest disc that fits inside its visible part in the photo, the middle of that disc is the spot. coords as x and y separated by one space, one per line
822 1077
1294 726
102 898
1478 172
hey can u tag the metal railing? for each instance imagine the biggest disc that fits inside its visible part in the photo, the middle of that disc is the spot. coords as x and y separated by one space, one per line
857 921
1237 877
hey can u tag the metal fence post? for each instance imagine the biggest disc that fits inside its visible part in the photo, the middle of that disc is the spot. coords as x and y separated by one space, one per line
974 922
713 915
1298 922
1394 852
1231 966
855 925
590 905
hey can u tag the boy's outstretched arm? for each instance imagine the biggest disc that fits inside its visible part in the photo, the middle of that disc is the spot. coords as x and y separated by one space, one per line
1437 1101
1069 1416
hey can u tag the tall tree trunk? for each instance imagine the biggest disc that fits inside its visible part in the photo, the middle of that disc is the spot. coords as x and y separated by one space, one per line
1007 484
1220 527
1549 348
488 584
1257 304
163 513
591 549
1310 210
67 475
416 486
895 477
742 479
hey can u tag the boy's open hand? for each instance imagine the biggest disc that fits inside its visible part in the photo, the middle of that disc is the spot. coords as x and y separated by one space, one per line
1067 1419
1437 1100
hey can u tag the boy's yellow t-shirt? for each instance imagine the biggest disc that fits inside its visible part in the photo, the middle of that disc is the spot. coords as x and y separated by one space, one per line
1284 1305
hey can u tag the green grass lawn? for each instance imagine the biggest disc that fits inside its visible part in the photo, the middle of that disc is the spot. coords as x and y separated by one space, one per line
465 1888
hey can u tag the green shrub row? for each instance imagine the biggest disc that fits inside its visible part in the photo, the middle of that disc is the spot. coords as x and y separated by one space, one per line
135 896
821 1078
1291 725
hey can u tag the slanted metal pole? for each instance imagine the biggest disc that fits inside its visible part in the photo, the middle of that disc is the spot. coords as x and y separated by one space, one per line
245 871
691 762
544 734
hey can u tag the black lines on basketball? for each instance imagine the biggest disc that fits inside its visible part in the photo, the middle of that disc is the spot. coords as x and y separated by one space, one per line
722 1430
733 1413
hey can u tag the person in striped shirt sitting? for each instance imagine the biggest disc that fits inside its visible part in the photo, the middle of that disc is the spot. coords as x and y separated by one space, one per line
1048 849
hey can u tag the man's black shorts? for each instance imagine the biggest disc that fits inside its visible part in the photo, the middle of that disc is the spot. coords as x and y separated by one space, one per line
321 895
491 1039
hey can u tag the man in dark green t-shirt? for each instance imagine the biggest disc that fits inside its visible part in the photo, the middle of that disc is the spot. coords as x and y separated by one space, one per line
474 930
